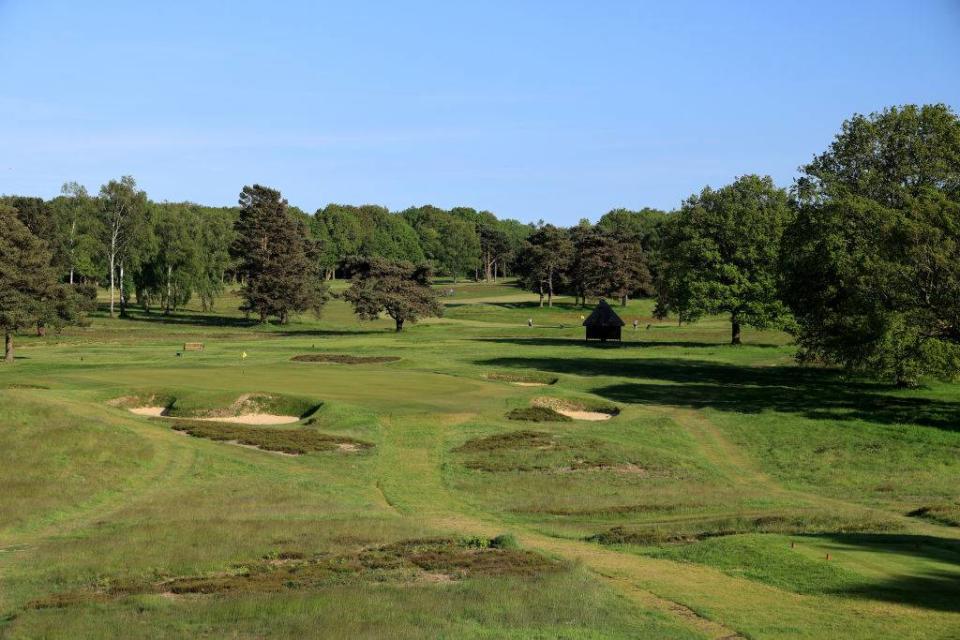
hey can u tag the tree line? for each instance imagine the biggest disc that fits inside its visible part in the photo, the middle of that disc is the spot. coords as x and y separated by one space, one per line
859 259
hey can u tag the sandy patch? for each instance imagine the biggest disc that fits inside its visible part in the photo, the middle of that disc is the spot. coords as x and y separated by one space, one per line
573 410
348 447
593 416
529 384
155 412
253 418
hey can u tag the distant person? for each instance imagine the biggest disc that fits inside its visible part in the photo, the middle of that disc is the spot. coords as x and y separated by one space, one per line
635 323
529 322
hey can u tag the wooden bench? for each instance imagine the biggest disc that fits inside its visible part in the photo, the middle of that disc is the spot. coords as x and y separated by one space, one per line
193 346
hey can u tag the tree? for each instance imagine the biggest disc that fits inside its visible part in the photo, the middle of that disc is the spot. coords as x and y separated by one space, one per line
646 226
459 247
629 272
448 241
279 275
494 245
399 288
78 231
871 265
34 213
27 281
722 253
123 216
544 259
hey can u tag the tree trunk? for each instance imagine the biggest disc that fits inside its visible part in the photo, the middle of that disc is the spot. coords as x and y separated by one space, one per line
399 324
71 275
113 270
8 347
123 301
541 295
735 332
550 289
166 310
41 329
623 300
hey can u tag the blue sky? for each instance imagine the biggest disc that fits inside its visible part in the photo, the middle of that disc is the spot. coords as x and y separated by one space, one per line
554 110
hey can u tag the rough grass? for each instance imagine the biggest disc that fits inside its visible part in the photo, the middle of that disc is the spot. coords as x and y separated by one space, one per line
414 560
527 378
293 441
343 359
537 414
945 513
703 530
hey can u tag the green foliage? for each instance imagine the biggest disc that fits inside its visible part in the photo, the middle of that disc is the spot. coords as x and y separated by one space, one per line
544 260
399 289
125 226
29 292
504 541
78 251
272 249
721 254
872 263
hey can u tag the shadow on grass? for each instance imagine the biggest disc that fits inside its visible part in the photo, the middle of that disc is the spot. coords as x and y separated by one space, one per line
627 344
137 314
199 319
557 306
818 394
925 586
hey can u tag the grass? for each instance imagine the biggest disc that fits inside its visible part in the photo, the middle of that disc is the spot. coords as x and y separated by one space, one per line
292 441
537 414
343 359
706 508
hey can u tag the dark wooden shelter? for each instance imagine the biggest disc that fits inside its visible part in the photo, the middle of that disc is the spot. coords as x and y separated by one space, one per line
604 323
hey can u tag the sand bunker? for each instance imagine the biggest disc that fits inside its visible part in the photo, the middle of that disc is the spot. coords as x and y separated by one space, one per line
575 410
254 418
584 415
246 418
529 384
155 412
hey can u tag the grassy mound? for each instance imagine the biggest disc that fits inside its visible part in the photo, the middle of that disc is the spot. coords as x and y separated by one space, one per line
343 359
191 404
539 451
293 441
537 414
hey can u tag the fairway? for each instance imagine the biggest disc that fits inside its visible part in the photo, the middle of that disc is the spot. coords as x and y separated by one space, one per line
443 482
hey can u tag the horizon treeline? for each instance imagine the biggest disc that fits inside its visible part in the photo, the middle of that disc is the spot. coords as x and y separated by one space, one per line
164 254
859 259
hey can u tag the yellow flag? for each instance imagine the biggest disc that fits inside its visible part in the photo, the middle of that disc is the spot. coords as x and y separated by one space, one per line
243 355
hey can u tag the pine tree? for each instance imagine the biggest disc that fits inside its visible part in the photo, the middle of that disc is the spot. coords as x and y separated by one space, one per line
28 284
274 254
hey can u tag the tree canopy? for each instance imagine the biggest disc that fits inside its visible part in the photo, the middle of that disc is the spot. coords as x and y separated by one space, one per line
398 288
872 263
721 254
273 253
